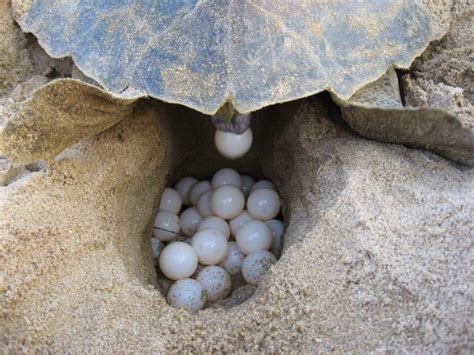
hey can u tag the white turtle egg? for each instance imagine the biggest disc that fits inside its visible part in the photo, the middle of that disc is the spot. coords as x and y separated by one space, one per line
197 190
233 260
188 294
166 226
210 246
263 204
156 247
263 184
253 236
214 222
227 202
256 265
225 177
204 204
238 221
216 281
233 146
190 219
170 201
276 227
178 260
247 184
183 186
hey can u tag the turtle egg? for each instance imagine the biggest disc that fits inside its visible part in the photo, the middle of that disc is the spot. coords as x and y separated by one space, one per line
233 260
216 281
188 294
276 227
190 219
210 246
263 204
247 184
156 247
227 202
170 201
166 226
204 204
256 265
233 146
253 236
263 184
183 186
238 221
178 260
226 176
197 190
214 222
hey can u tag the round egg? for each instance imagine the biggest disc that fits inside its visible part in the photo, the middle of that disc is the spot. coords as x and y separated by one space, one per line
156 247
210 246
276 227
262 184
170 201
204 204
166 226
214 222
189 220
233 260
238 221
263 204
178 260
225 177
227 202
247 184
233 146
252 236
256 265
183 186
216 281
188 294
197 190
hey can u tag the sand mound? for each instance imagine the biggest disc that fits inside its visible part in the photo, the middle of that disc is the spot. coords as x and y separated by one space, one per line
375 253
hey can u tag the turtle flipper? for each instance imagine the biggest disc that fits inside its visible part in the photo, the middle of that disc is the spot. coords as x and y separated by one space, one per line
376 112
58 115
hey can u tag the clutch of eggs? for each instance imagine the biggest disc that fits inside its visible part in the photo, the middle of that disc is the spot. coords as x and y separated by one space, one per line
208 232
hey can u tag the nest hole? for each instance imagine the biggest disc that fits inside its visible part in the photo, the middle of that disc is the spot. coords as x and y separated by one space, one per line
195 155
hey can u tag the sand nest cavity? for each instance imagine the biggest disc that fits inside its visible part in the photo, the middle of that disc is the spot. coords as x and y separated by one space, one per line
357 271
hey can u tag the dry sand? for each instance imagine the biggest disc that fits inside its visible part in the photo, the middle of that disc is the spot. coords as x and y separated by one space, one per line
376 251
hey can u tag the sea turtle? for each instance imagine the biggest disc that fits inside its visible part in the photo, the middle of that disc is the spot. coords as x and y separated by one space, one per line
230 58
202 54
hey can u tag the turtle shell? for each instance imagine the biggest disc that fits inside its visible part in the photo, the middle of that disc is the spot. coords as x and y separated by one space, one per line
203 54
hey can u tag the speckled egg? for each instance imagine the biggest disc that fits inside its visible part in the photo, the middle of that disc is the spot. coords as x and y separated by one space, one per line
256 265
188 294
216 281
